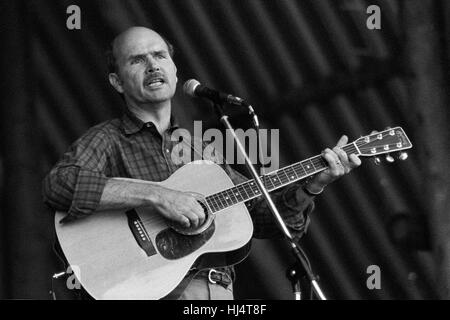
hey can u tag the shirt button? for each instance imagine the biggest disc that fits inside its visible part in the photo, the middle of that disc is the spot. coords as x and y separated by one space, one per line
167 150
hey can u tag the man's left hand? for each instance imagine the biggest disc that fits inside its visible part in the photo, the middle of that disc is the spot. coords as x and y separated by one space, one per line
339 164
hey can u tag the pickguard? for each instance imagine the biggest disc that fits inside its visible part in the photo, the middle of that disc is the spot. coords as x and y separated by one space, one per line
173 245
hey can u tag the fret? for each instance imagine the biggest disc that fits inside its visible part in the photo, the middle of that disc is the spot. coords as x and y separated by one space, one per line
283 179
219 205
318 163
312 163
274 179
307 165
297 173
292 173
303 173
254 188
219 200
249 189
247 196
267 182
226 197
323 162
222 196
238 194
231 196
212 203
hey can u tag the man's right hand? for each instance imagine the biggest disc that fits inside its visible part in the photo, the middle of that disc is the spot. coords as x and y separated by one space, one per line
180 207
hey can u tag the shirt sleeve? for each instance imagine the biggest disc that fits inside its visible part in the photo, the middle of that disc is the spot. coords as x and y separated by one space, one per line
293 204
75 184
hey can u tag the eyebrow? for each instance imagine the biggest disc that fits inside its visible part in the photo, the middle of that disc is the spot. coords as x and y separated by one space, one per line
141 55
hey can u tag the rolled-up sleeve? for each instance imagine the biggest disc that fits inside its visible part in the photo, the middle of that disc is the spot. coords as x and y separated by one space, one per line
294 207
75 184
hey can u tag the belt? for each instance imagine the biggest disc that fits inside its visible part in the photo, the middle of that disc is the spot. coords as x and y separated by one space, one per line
216 277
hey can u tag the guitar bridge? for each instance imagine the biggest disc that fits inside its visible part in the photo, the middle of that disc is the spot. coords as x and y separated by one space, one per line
140 233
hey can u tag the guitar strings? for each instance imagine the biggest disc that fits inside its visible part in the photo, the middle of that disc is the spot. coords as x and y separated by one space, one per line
315 161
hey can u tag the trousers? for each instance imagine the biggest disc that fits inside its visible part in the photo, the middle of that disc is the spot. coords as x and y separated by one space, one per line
201 288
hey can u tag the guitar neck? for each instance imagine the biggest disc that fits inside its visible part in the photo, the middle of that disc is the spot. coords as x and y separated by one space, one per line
275 180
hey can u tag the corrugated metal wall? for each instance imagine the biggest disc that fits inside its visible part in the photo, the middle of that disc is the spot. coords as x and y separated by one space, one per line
310 68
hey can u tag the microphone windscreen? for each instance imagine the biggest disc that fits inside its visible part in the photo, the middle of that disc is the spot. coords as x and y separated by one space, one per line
189 87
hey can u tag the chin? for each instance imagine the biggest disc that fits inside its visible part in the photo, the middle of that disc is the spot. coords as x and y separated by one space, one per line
158 98
154 100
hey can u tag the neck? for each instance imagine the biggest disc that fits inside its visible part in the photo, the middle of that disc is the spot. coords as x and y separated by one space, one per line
272 181
159 114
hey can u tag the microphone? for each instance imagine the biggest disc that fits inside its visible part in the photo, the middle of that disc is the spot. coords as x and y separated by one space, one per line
193 88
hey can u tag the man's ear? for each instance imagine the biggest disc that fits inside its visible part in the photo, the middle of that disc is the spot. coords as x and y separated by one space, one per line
115 81
176 77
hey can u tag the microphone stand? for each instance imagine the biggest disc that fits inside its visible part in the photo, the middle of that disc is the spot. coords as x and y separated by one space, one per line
296 249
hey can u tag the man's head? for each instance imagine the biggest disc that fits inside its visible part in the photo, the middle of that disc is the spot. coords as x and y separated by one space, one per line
141 67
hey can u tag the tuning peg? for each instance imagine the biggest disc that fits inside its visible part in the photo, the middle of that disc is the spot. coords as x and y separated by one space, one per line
389 158
403 156
377 160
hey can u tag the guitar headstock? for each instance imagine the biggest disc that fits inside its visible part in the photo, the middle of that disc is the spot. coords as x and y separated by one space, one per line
387 141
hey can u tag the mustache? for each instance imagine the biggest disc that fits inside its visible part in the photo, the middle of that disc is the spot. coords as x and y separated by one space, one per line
154 75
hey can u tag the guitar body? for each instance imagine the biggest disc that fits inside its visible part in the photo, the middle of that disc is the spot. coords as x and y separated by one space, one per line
111 263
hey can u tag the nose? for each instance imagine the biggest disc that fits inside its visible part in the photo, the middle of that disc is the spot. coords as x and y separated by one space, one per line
152 65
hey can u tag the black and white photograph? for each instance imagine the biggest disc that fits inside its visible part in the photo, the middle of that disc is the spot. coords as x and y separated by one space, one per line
241 150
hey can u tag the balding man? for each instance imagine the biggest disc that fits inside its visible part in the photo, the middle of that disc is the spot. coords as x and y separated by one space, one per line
138 146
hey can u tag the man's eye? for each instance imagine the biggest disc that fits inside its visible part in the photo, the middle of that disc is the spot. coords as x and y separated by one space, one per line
137 60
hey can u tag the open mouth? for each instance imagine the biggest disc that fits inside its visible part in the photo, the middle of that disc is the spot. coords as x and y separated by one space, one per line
154 82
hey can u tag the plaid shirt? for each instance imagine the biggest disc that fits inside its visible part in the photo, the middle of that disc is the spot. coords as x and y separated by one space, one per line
128 147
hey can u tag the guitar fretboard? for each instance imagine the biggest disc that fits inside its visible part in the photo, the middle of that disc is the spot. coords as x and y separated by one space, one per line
272 181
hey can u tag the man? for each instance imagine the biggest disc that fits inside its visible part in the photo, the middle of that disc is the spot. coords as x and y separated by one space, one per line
138 146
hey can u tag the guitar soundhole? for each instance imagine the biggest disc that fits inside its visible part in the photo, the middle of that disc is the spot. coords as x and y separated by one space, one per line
174 245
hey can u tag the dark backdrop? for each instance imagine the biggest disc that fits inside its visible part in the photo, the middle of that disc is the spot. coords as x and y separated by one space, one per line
311 68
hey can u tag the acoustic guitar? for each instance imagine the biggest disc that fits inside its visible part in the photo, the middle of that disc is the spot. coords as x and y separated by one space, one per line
137 254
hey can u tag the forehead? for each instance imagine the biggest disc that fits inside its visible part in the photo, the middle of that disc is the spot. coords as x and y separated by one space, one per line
138 41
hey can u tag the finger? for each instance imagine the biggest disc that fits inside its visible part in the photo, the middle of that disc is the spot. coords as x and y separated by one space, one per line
340 168
343 158
333 161
342 141
355 161
341 155
193 218
198 210
182 220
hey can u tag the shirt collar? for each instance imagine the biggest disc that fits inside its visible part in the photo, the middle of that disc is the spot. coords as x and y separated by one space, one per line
132 124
